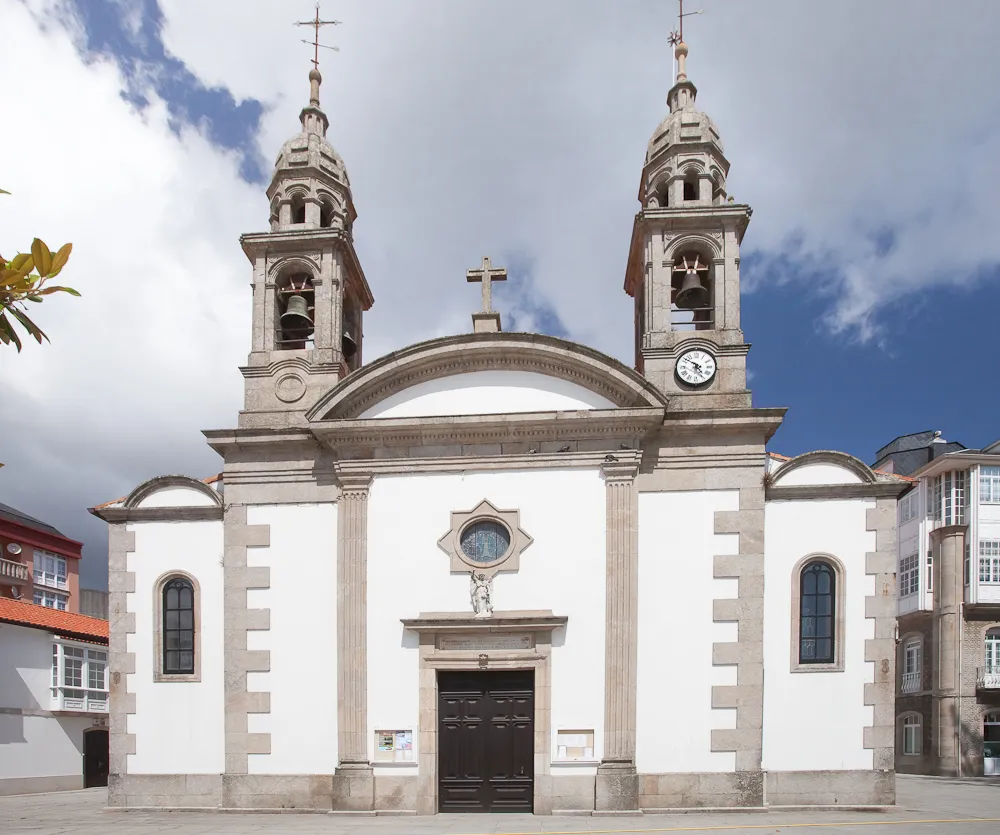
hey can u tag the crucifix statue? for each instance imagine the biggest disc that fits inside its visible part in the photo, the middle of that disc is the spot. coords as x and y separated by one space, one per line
486 320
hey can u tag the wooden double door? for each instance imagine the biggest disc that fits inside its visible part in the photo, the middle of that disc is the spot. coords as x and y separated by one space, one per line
486 741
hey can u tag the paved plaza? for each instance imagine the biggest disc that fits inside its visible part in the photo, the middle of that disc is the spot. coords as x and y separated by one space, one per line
925 805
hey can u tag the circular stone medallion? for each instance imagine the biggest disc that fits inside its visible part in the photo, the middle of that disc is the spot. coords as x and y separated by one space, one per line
289 388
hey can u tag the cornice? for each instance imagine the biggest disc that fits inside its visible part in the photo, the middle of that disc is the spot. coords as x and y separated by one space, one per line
521 621
878 490
159 514
700 341
762 421
592 424
476 463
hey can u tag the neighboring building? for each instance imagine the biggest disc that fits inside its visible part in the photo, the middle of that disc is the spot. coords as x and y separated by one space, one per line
37 562
908 453
948 702
503 571
94 603
53 699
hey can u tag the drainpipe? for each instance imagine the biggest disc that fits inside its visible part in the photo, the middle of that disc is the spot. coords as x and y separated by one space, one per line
961 669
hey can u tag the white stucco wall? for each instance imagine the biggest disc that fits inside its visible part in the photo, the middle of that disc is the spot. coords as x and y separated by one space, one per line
302 640
178 725
488 392
563 570
34 746
675 675
176 497
816 474
815 721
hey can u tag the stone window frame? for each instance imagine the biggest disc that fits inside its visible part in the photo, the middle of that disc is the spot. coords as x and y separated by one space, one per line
839 618
905 642
901 731
158 674
485 511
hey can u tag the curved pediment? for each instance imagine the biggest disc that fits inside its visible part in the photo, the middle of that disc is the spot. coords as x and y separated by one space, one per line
487 374
823 467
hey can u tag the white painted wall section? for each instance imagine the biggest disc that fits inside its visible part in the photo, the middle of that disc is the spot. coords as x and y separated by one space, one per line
677 546
177 497
178 725
816 721
302 640
563 570
811 474
488 392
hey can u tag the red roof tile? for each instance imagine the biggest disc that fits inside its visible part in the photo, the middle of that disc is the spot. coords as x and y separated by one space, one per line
41 617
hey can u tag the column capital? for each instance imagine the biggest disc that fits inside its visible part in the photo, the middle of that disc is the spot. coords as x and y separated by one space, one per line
621 467
357 482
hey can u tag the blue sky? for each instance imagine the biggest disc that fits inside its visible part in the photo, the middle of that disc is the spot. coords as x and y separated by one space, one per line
870 267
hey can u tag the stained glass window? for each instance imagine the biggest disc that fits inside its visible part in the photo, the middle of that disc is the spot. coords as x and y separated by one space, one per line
485 542
816 614
178 627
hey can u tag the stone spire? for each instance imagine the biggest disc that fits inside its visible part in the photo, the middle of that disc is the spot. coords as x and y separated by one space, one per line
312 117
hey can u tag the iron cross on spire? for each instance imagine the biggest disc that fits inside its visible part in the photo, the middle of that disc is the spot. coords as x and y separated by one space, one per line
678 36
316 23
487 274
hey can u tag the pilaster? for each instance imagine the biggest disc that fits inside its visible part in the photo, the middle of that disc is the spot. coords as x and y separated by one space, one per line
617 781
354 782
121 662
238 579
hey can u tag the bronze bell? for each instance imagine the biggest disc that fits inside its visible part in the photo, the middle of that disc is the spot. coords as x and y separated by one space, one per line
295 321
348 346
693 293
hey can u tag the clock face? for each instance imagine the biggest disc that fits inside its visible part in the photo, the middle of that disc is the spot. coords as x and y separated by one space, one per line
696 367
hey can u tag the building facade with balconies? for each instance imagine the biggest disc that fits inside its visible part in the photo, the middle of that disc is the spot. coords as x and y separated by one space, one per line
53 699
948 580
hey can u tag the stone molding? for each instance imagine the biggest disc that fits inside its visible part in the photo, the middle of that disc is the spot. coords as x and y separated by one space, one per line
240 619
827 456
485 511
747 611
617 787
159 514
881 489
537 658
121 662
163 482
714 347
881 649
839 615
465 353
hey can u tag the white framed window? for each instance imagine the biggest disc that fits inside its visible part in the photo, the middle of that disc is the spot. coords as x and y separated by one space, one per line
930 571
954 498
989 485
936 500
79 678
912 734
909 507
989 561
991 657
50 570
49 599
909 575
911 666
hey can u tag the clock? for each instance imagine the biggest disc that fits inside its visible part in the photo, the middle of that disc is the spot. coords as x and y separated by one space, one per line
696 367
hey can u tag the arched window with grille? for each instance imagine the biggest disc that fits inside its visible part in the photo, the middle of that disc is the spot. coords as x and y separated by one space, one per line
177 638
818 583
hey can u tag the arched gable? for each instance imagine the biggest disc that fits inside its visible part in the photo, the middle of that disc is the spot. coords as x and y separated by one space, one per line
578 377
173 491
823 467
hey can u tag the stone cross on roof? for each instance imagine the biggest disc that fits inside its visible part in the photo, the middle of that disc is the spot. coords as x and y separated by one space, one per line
486 320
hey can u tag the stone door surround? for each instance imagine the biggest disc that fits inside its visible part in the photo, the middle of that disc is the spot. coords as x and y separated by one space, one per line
514 640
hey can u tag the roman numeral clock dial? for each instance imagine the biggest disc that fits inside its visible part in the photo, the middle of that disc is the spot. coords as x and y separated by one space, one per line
696 368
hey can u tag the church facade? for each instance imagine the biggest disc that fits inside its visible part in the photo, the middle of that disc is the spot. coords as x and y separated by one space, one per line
503 571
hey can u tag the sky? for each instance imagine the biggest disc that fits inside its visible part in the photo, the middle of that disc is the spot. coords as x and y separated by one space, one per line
863 134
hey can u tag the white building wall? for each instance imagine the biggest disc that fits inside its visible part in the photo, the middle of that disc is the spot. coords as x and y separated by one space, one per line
302 640
178 725
816 474
563 570
488 392
910 543
176 497
816 721
34 746
677 546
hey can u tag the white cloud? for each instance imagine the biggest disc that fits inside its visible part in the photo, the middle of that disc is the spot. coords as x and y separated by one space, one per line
514 129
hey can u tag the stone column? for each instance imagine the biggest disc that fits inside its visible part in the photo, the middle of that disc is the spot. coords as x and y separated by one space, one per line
617 781
354 783
949 593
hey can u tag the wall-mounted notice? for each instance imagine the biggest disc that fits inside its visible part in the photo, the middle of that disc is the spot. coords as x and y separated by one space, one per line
393 746
485 643
575 745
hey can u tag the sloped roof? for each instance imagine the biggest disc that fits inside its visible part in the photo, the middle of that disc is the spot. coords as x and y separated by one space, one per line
14 515
69 624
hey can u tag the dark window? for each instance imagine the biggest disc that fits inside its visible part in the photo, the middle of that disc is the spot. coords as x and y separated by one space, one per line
298 209
326 215
178 627
816 614
690 190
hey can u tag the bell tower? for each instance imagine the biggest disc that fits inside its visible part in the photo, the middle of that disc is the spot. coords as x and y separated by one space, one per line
684 259
309 291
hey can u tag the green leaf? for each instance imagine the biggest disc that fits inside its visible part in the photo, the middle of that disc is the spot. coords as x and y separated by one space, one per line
43 257
22 263
48 290
35 299
8 333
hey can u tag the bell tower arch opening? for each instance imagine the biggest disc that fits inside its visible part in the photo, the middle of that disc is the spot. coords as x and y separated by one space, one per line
296 307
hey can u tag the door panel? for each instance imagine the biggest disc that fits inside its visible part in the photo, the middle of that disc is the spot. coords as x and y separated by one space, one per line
486 741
